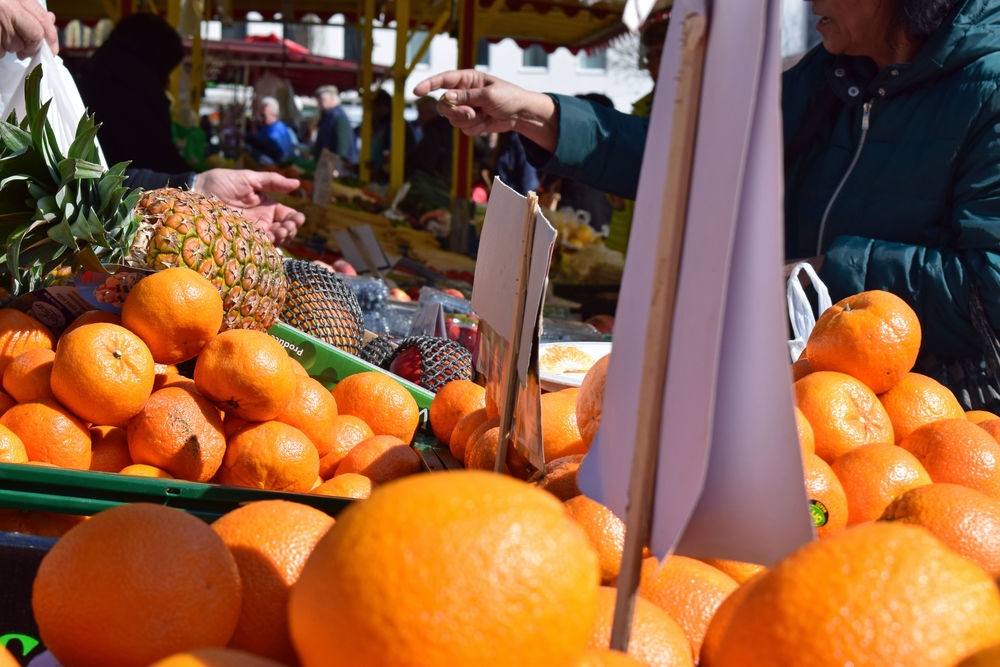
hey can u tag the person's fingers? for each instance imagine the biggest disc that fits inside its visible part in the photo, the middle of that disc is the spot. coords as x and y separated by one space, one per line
274 182
51 34
452 79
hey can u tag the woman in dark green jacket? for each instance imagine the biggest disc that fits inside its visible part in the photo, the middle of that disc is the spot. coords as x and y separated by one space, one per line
892 133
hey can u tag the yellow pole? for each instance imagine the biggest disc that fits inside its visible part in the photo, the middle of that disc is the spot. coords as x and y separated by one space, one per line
367 41
397 150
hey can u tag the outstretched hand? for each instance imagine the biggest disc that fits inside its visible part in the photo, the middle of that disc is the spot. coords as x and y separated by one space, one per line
478 103
246 189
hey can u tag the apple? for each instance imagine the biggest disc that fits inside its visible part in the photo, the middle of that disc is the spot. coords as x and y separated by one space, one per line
407 364
603 323
454 292
399 295
343 266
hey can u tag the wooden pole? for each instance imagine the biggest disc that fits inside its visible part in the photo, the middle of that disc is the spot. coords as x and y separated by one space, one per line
642 487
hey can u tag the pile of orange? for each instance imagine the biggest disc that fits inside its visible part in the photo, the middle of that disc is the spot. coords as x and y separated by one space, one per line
107 395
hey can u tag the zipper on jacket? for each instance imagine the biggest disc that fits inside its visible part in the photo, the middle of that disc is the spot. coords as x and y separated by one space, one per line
866 111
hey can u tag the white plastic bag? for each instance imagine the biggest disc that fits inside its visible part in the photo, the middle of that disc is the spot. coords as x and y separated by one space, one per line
800 312
57 84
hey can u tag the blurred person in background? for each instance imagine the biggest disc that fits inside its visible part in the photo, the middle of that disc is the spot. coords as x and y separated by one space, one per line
273 142
334 131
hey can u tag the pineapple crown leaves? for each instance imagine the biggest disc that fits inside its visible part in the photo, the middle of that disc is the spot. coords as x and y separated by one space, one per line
57 210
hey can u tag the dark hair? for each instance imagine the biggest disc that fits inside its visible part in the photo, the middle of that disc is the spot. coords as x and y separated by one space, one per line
148 37
920 18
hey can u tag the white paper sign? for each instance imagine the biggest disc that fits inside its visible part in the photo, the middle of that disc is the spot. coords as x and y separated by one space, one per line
729 480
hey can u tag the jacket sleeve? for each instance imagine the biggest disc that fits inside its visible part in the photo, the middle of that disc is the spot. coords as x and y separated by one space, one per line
597 145
938 280
147 179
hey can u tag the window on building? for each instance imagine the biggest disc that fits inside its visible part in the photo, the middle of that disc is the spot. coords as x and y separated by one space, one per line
595 60
534 56
416 41
483 53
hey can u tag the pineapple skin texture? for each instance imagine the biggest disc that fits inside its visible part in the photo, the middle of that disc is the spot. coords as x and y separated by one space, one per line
183 228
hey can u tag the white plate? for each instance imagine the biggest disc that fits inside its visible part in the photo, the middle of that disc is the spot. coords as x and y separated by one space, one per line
557 381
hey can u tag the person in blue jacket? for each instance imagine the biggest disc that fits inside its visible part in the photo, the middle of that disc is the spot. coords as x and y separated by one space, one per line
892 150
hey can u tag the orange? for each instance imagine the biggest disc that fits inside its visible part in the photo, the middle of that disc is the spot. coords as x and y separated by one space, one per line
917 400
12 448
215 657
19 332
966 520
991 426
739 570
688 589
463 430
7 659
604 530
957 451
109 448
311 409
559 476
91 317
37 522
483 448
172 379
26 377
175 311
382 401
380 458
987 657
807 438
979 416
270 540
145 470
590 400
6 401
873 475
133 584
346 431
270 455
50 433
843 412
605 657
560 433
655 639
179 431
873 336
501 597
720 620
348 485
246 372
103 373
453 401
827 500
880 593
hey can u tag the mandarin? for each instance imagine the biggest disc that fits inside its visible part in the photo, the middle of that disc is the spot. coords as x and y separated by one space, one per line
590 400
879 593
176 311
843 412
979 416
109 448
559 476
7 659
92 317
966 520
349 485
311 410
739 570
464 428
12 449
720 620
6 402
19 332
270 540
38 522
874 475
103 373
957 451
380 458
514 597
179 431
133 584
216 657
560 433
145 470
987 657
807 438
346 431
873 336
917 400
50 433
827 500
688 589
246 372
27 376
605 530
453 401
655 639
382 401
605 657
270 455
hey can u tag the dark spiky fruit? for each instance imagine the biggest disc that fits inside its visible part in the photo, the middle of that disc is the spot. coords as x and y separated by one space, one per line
322 305
430 361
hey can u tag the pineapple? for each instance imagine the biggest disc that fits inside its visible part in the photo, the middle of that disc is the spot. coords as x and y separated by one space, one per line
66 212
